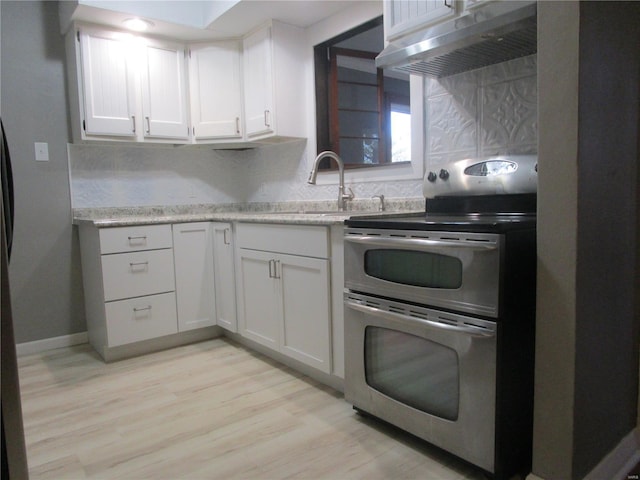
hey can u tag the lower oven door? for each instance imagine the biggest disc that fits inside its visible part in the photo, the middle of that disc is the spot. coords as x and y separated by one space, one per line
428 372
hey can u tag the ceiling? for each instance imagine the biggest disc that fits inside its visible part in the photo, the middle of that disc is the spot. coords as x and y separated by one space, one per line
191 20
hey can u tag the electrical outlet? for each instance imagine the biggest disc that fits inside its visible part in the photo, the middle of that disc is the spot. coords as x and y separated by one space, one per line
42 151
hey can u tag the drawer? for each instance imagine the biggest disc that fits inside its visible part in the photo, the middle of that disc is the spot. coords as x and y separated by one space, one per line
127 275
141 318
135 238
305 240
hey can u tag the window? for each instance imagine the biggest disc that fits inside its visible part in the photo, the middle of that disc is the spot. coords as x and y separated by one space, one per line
363 113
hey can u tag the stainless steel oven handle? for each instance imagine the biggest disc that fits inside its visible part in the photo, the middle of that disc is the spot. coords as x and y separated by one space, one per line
417 242
437 325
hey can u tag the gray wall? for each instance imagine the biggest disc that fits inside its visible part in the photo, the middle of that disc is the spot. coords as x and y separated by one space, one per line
587 320
46 285
606 330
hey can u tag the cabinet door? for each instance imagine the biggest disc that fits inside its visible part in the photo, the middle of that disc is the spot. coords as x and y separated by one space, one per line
224 276
305 333
405 16
259 297
216 90
164 94
108 83
193 259
258 83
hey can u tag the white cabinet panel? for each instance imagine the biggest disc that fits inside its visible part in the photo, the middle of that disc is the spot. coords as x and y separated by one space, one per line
141 318
128 87
109 84
164 90
284 299
216 90
259 298
402 17
305 310
224 275
274 92
305 240
134 238
258 83
193 258
135 274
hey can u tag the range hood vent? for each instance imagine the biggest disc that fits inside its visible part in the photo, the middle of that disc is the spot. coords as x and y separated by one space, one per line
496 33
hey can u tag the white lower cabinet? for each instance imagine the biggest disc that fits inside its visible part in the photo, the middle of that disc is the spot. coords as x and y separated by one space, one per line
193 260
163 283
283 290
225 276
129 284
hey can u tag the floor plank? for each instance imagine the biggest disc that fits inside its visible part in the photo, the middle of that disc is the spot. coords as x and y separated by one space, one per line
212 410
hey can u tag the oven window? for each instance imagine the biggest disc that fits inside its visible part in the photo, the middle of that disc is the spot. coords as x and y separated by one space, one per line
413 370
409 267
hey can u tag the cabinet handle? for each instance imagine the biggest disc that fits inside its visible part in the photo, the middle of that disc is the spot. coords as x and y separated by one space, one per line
148 124
238 125
141 309
274 266
133 119
137 240
267 118
225 232
448 3
138 264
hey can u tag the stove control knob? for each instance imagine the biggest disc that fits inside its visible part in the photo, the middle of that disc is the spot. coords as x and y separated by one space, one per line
432 177
444 175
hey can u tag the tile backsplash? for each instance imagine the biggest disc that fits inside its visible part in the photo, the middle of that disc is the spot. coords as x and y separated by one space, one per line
479 113
489 111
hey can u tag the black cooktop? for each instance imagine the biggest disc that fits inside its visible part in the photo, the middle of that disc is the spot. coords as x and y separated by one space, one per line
486 213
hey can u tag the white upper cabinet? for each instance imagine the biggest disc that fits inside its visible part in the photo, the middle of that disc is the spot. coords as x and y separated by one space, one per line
402 17
215 85
164 90
108 84
128 87
138 89
258 81
273 65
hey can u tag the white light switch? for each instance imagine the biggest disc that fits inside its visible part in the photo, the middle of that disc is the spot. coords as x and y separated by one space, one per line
42 151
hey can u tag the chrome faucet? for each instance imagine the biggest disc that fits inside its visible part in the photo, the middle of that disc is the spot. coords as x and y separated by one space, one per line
381 207
342 196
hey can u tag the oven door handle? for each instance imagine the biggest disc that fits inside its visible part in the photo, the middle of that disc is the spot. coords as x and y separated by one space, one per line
476 332
418 242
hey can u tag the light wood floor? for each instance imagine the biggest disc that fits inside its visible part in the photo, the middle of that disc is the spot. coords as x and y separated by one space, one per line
212 410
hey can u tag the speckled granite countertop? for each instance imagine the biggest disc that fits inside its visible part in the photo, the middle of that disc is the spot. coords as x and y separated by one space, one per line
313 213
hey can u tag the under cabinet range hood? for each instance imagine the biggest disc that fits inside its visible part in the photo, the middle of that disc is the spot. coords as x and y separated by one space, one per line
494 33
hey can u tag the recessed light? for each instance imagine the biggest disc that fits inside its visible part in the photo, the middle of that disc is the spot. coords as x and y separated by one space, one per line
137 24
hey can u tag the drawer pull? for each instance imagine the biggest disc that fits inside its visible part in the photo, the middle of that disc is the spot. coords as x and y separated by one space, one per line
138 264
141 309
137 240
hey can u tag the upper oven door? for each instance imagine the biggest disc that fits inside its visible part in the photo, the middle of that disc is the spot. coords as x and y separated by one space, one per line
453 270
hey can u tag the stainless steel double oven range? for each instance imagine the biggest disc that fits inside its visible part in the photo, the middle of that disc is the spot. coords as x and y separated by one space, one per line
439 325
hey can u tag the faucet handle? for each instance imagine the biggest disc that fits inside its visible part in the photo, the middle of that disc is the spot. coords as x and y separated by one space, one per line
349 195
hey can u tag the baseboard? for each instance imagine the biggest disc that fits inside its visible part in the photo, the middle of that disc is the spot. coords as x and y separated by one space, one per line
619 461
38 346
